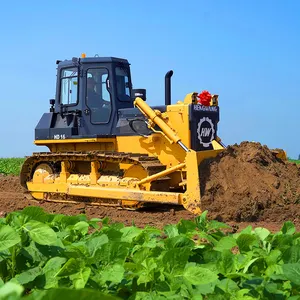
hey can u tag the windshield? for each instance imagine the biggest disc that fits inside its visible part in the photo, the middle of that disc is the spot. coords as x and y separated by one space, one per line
69 86
123 84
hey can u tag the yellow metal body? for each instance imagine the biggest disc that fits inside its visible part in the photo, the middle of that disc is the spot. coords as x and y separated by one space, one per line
181 166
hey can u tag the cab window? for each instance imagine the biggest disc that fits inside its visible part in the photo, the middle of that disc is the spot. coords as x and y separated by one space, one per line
97 95
69 86
123 84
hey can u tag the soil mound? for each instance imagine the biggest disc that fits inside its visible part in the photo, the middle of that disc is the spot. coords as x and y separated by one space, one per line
247 182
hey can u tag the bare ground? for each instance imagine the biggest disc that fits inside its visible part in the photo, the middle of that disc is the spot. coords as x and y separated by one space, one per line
244 185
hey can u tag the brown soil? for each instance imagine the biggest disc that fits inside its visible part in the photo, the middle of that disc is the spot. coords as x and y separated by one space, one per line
244 185
247 182
13 197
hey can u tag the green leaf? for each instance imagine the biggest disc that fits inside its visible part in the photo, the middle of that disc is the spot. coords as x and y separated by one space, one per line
272 288
287 286
72 266
50 270
80 279
262 233
273 269
186 226
149 264
226 263
198 275
35 213
147 273
69 294
3 270
8 237
249 264
228 285
225 243
114 273
216 225
245 241
94 222
82 227
292 254
240 295
40 233
205 289
141 254
11 291
211 256
171 230
288 228
179 242
292 272
64 221
95 243
176 258
273 257
129 233
246 230
282 241
112 252
197 297
112 234
151 296
201 221
77 250
29 275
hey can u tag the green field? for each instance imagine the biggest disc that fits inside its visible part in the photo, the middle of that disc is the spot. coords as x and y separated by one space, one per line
11 166
53 256
295 161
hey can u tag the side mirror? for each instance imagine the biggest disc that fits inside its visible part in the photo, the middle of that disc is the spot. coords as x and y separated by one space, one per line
52 102
138 93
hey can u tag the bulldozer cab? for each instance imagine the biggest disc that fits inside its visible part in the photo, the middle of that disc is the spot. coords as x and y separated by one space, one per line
93 89
95 100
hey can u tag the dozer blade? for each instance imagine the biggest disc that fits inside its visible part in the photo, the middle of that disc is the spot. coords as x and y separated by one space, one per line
279 153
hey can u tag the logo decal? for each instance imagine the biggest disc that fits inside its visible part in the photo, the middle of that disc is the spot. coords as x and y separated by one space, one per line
206 131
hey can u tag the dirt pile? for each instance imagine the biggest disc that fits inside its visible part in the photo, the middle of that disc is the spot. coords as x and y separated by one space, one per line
247 182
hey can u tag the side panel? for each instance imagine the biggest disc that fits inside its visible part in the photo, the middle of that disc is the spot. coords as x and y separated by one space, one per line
131 122
203 122
154 145
83 144
42 129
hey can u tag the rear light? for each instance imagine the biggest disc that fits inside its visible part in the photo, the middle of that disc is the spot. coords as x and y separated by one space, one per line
204 98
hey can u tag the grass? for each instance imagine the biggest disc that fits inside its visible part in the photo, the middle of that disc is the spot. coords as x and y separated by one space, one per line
11 166
295 161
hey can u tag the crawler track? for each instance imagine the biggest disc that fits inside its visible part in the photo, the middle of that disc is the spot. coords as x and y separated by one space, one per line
149 165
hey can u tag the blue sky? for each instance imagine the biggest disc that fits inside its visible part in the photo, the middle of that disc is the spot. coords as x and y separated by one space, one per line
248 52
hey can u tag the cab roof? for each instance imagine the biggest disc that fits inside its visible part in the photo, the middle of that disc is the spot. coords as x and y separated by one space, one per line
95 59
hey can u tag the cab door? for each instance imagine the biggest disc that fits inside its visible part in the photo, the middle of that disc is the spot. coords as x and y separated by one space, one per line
98 96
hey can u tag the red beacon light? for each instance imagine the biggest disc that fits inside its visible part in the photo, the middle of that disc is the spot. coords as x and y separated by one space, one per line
204 98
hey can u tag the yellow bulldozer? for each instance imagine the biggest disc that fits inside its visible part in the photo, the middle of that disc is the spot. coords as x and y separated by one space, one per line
107 146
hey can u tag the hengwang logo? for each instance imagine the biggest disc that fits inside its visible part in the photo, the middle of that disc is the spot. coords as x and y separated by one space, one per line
206 131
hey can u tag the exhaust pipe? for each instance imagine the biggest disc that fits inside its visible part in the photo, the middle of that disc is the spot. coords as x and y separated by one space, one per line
168 87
